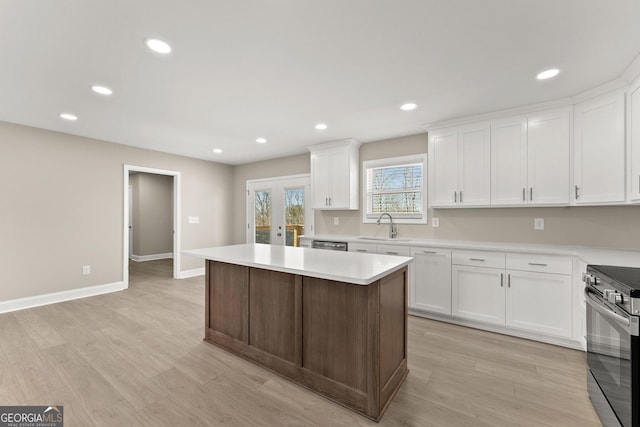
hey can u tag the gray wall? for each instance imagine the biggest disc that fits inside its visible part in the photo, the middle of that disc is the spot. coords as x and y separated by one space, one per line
61 207
152 216
602 226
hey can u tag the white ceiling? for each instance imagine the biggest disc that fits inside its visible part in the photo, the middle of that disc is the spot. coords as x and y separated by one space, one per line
243 69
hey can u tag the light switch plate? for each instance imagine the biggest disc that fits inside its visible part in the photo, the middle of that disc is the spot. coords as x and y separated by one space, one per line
435 222
336 220
86 269
538 223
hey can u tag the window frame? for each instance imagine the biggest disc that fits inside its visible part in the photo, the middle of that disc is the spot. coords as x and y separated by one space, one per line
368 218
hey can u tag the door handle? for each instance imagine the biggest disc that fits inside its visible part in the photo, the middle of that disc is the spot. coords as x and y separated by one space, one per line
429 252
455 197
460 196
538 264
477 259
509 280
577 188
524 197
530 194
501 280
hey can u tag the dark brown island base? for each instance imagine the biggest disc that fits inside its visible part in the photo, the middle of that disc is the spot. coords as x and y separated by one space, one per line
346 340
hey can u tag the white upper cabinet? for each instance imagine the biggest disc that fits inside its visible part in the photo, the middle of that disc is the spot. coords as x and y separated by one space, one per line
548 158
634 142
599 160
334 175
443 167
459 166
508 161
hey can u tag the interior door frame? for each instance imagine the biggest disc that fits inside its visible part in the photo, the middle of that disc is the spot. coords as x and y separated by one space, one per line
176 217
309 220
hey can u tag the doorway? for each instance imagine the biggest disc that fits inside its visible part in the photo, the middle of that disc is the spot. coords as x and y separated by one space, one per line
279 210
127 214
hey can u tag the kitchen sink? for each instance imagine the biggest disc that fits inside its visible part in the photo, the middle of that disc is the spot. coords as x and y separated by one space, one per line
384 239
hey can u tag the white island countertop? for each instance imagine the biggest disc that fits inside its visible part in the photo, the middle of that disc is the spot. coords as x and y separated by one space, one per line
351 267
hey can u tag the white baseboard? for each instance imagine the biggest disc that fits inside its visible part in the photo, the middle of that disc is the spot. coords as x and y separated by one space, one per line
534 336
185 274
52 298
152 257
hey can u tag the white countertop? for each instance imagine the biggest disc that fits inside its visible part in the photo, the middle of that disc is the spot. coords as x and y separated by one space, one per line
589 255
350 267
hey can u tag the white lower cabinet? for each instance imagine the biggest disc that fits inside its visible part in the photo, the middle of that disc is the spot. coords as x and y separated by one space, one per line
478 293
527 292
539 302
430 285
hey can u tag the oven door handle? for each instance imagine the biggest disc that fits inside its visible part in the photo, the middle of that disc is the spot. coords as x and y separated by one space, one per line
632 329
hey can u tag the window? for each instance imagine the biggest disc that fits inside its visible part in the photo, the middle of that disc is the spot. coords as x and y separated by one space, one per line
395 186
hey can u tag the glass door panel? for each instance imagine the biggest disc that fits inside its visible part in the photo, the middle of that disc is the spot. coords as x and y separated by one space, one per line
277 210
294 215
262 215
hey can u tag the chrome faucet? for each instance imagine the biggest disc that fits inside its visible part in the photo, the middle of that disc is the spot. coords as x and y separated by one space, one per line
392 227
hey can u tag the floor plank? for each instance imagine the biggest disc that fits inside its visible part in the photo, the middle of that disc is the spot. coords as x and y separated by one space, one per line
137 357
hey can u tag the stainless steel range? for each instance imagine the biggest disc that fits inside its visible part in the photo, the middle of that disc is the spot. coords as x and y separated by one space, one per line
613 344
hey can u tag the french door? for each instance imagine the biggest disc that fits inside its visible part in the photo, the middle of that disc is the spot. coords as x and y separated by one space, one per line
278 210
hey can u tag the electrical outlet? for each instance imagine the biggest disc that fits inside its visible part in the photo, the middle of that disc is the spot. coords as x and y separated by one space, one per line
538 223
336 220
435 222
194 220
86 269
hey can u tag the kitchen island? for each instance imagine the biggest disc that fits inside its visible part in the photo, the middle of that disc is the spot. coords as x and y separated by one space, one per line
334 322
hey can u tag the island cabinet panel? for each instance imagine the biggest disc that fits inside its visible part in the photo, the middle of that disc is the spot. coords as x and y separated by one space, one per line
334 324
273 309
344 341
393 327
227 297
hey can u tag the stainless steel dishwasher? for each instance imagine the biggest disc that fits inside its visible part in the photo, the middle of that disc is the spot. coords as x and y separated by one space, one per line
332 246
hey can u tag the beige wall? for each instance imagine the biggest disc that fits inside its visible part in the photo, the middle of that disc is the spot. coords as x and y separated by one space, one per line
61 207
293 165
152 213
615 226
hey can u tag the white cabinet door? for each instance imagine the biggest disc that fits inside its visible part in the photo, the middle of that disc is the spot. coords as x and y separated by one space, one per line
430 288
478 293
599 161
339 170
634 143
361 247
320 179
548 158
539 302
474 185
508 161
443 167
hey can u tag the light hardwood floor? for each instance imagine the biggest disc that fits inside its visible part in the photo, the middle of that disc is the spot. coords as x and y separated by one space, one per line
137 357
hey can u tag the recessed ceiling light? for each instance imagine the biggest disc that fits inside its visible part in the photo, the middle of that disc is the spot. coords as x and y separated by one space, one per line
217 150
68 116
321 126
261 140
547 74
408 106
102 90
158 45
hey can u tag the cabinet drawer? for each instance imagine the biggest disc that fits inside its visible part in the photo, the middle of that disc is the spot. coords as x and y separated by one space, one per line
394 250
478 258
361 247
539 263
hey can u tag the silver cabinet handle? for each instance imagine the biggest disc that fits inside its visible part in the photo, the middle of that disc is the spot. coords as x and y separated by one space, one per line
509 280
577 188
330 201
477 259
392 253
326 201
501 280
530 193
539 264
429 252
524 197
455 197
460 196
361 250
